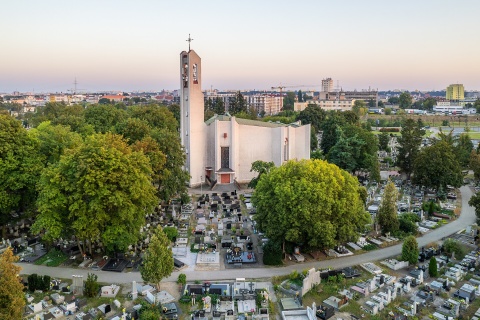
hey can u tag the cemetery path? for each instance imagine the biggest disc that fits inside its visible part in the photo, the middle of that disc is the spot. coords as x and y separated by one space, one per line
466 218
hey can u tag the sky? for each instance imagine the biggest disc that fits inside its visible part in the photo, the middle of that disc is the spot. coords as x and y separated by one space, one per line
135 45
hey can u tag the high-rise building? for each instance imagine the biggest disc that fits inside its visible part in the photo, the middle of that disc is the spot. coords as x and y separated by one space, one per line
327 85
455 92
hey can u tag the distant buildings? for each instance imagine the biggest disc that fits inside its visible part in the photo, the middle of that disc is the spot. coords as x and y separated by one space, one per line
455 92
267 103
327 85
327 105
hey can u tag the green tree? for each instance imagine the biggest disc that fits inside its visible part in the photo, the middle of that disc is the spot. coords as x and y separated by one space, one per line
272 253
409 145
20 167
310 202
299 96
371 103
91 286
448 138
158 117
405 100
387 212
313 139
475 202
312 114
104 101
54 140
175 110
432 267
331 134
393 100
437 166
99 191
474 164
158 260
261 167
476 105
428 103
12 299
452 246
238 104
317 154
103 117
383 140
345 152
182 279
289 101
133 129
410 250
171 233
463 149
172 177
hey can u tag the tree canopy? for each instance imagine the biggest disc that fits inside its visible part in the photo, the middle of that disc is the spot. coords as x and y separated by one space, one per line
99 191
261 167
387 212
158 260
405 100
309 202
312 114
409 145
20 167
410 250
237 104
437 166
12 299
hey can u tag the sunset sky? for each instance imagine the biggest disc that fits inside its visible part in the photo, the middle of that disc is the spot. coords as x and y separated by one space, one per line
135 45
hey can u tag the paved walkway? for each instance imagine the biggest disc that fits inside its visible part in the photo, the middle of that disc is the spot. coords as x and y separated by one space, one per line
467 218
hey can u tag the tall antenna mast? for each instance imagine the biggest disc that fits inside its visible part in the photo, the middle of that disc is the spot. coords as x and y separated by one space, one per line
75 86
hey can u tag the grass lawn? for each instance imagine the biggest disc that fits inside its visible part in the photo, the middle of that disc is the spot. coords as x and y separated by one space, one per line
474 135
52 259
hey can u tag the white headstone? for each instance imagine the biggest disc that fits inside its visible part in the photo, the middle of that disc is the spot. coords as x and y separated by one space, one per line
37 307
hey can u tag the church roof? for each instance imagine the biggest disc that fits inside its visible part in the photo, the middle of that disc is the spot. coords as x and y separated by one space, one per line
249 122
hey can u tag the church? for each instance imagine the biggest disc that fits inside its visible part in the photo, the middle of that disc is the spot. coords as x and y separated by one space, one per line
222 149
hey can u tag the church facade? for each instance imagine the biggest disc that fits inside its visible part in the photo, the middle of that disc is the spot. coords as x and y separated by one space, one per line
223 148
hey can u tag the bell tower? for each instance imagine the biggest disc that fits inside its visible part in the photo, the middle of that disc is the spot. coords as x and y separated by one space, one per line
192 125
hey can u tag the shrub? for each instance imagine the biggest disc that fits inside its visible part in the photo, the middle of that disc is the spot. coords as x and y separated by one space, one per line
453 246
432 267
294 275
182 279
36 282
46 283
407 226
91 286
32 282
410 250
389 130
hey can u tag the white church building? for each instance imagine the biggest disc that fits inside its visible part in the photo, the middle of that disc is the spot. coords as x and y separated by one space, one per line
224 147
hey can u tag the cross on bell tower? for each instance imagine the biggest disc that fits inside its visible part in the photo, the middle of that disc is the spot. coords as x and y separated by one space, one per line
189 40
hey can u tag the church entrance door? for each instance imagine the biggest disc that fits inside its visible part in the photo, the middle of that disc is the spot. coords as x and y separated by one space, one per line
225 178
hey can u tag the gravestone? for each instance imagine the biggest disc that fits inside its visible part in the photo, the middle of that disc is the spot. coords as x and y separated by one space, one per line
77 284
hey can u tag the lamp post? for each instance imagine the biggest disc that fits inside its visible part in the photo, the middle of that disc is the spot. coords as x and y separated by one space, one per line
201 186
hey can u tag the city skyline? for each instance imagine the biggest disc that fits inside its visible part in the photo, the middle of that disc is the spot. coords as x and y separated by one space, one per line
114 45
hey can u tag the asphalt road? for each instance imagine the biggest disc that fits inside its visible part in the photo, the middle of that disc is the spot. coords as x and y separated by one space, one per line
466 218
